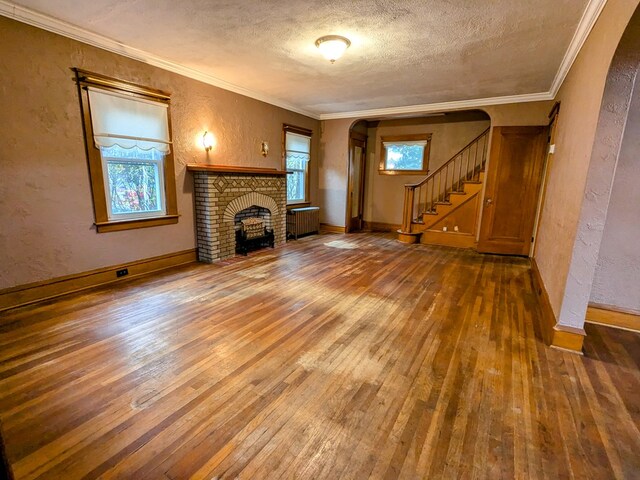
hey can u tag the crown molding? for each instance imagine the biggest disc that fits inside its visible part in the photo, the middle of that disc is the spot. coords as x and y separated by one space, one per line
439 107
588 20
46 22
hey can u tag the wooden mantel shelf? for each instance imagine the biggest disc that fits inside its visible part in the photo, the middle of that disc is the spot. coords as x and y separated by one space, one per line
201 167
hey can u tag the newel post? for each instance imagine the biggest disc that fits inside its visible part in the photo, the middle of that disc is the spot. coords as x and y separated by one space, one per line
409 195
404 234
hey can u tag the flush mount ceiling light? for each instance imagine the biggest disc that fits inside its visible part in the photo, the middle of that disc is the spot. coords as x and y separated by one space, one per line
332 46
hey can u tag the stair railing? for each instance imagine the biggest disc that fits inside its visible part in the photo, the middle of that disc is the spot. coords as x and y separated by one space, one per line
423 196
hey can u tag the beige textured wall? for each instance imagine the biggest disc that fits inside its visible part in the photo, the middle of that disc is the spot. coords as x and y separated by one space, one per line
333 171
617 276
335 143
385 193
519 114
46 215
580 97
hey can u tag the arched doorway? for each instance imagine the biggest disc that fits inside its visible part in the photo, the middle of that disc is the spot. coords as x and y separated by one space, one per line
610 135
440 136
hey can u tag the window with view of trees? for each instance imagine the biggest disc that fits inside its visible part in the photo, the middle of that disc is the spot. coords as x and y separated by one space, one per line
297 154
407 154
129 149
133 182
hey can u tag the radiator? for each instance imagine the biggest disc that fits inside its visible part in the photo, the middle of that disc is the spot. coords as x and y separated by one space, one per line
303 220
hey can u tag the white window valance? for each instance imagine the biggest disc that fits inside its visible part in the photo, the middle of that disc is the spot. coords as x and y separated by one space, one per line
298 146
128 121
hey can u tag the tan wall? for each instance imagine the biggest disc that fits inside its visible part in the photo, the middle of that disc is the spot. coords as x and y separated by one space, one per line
617 276
385 193
333 171
580 97
45 201
519 114
335 143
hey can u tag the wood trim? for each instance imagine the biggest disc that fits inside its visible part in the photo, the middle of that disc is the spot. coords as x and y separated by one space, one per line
84 79
613 317
554 335
88 78
548 320
407 138
201 167
554 111
448 239
325 227
358 136
546 173
568 338
355 141
34 292
380 226
408 237
299 130
136 223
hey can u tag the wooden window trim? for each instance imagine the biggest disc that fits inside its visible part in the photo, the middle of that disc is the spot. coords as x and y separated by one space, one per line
382 170
286 128
85 79
299 130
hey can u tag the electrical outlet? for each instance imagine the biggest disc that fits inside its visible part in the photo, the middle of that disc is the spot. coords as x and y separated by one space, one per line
122 273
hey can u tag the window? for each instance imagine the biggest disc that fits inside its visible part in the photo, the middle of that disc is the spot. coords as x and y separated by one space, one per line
128 144
133 182
405 154
297 154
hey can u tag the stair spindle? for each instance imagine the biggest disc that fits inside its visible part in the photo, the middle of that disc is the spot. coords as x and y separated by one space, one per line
455 172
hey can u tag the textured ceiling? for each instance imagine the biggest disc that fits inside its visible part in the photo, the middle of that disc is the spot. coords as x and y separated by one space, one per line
403 52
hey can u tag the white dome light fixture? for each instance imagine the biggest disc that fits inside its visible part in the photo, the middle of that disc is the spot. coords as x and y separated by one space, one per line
332 47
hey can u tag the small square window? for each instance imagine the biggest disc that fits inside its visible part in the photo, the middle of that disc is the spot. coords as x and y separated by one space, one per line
407 154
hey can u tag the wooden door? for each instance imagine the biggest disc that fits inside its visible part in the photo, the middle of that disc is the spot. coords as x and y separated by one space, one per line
513 184
355 201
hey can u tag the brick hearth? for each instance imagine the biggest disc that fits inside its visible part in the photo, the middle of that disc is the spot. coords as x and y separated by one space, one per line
221 192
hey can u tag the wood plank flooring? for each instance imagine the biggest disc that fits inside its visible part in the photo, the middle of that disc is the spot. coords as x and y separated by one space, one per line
336 356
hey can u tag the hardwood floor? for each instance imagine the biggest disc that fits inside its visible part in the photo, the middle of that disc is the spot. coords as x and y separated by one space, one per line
332 357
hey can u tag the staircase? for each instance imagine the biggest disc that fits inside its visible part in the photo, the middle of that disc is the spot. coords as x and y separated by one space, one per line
442 208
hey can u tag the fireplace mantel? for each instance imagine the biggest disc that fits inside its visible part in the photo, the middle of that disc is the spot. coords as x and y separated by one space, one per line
202 167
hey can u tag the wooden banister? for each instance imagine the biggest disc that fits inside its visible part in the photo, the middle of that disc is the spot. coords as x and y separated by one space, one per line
422 197
463 149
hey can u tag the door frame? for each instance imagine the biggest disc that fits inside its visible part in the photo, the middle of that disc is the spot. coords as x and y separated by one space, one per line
355 137
546 170
485 241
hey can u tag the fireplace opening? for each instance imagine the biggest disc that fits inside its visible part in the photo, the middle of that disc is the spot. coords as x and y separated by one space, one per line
253 229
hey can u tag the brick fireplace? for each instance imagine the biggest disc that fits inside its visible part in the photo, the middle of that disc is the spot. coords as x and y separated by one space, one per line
223 195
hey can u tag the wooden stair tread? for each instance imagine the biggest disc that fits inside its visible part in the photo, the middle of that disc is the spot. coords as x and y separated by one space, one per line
456 193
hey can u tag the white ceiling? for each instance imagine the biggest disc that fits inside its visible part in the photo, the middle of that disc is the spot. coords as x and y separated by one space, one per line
403 52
